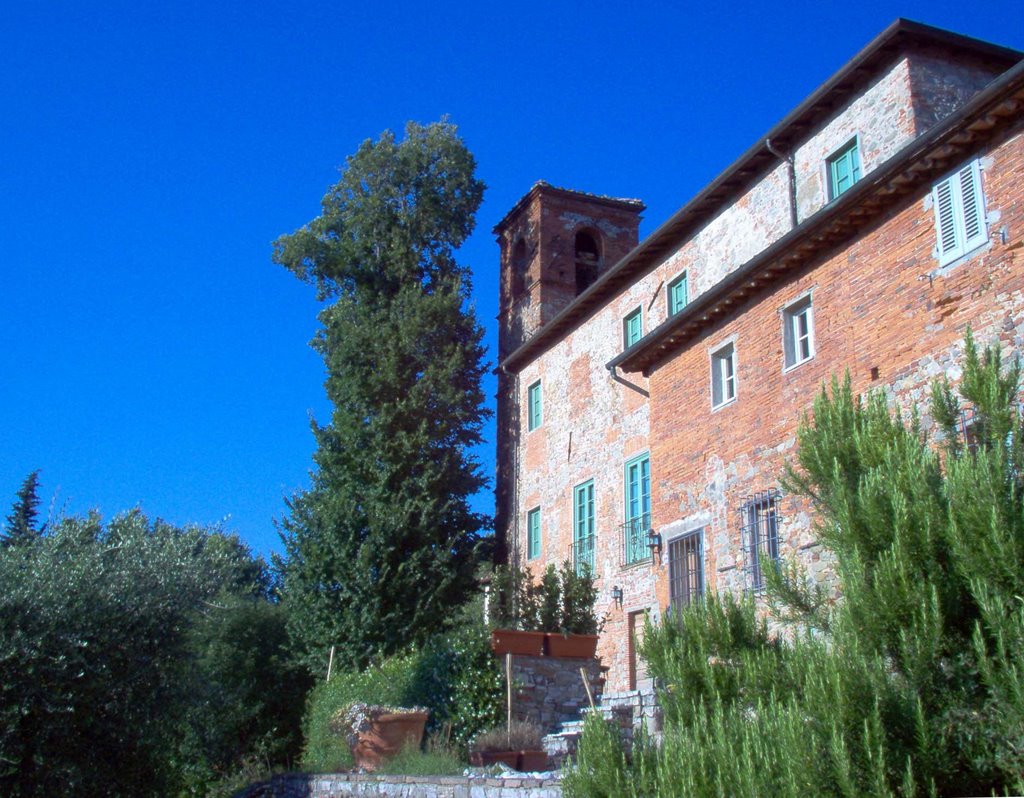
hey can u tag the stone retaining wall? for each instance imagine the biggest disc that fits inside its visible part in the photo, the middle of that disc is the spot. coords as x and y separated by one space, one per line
335 785
549 690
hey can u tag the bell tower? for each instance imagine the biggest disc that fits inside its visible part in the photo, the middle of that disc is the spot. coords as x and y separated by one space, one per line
555 243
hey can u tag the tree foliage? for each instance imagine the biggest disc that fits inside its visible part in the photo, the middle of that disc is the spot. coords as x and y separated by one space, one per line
21 523
385 535
120 643
909 685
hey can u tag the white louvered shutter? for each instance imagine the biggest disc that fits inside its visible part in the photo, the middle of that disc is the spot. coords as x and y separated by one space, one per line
959 213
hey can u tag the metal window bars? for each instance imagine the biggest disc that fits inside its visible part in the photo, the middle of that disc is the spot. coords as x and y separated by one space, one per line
634 540
759 530
581 553
686 569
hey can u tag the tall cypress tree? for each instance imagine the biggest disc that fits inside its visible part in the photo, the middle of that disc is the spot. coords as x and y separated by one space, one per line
21 523
385 539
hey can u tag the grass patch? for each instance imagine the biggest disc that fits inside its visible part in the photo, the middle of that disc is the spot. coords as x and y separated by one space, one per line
437 760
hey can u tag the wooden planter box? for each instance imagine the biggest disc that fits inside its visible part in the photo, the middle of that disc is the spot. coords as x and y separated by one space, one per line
510 641
524 761
388 735
577 646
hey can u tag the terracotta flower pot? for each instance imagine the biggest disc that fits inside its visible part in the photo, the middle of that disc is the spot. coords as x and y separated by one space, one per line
559 645
387 735
511 641
532 761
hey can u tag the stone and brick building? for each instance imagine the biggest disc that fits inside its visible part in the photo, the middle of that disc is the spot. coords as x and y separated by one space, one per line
650 391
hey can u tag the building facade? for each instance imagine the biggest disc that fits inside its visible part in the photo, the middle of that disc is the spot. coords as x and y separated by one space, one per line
650 392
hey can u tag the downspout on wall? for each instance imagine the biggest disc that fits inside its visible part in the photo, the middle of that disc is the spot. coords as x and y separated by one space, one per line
791 164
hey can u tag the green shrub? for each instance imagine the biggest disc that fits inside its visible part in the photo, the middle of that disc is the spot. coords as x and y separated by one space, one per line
600 769
459 678
388 682
562 601
455 676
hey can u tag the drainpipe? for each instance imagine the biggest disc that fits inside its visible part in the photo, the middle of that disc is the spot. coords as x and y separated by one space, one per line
791 163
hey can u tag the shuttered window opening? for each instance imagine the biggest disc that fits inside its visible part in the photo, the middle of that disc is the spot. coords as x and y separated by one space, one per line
533 534
678 294
959 214
632 328
534 409
582 554
843 170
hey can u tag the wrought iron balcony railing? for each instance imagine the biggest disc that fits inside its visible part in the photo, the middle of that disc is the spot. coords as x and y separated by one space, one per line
634 540
581 553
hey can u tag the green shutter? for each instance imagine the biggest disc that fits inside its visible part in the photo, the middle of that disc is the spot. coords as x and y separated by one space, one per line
534 410
633 327
638 507
678 294
583 525
533 533
844 170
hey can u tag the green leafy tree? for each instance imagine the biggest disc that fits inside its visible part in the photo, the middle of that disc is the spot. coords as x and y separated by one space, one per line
21 523
101 675
385 536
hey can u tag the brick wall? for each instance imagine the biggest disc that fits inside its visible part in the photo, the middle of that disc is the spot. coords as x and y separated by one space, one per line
879 303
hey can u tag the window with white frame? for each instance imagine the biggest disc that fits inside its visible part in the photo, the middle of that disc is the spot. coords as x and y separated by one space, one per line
723 375
959 213
798 332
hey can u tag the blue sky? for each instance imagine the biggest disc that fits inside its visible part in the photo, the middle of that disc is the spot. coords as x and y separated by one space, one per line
152 355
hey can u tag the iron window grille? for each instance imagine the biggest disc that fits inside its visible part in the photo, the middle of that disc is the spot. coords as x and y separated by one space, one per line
635 540
686 569
581 554
759 530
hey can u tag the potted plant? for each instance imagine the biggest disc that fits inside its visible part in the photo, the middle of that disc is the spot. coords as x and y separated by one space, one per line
517 745
514 613
577 633
375 733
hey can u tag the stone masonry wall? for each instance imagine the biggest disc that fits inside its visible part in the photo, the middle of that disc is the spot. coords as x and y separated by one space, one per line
336 785
549 690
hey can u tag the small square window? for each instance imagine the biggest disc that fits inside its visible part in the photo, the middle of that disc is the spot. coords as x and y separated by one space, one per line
678 294
534 411
723 375
533 534
798 332
843 170
632 328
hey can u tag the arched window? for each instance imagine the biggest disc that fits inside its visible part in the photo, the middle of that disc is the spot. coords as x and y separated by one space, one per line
519 264
588 259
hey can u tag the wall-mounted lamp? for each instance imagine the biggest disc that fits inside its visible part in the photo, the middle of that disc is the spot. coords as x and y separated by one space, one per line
654 543
617 595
